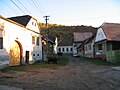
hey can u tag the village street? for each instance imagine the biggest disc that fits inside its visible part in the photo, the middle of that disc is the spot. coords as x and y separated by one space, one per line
77 75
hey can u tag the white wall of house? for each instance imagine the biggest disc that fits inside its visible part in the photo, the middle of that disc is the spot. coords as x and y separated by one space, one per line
12 32
100 35
55 46
65 49
89 49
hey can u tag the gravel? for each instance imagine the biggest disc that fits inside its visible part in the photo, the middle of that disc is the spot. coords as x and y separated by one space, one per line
76 75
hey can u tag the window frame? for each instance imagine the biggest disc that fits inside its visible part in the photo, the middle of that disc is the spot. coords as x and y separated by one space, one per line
100 46
33 39
37 41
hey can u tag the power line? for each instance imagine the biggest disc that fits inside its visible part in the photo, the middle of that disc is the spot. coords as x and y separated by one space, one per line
12 9
24 7
37 7
41 6
33 7
17 6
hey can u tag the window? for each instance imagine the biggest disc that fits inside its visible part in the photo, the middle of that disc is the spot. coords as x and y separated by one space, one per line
33 40
67 49
63 49
100 47
59 49
1 43
37 42
33 54
71 49
32 23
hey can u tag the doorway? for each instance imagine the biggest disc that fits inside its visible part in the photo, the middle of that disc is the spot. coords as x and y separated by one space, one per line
27 57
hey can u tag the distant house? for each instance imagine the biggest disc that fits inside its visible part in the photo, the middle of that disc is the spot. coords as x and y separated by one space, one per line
51 48
20 40
65 46
107 39
78 40
89 47
54 44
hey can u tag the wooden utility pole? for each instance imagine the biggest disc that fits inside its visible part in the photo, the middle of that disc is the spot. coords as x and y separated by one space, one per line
46 19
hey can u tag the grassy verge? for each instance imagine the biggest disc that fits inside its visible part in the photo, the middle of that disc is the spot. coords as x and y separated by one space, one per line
62 60
100 61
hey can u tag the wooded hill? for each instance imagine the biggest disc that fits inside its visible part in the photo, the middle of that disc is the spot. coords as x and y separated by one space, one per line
65 33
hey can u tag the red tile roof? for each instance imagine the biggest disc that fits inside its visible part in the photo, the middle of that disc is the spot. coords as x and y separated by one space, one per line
81 36
112 31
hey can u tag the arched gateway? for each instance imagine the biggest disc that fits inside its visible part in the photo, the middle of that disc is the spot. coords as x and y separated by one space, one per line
15 53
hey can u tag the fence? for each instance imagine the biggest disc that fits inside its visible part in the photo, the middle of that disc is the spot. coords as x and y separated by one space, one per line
113 56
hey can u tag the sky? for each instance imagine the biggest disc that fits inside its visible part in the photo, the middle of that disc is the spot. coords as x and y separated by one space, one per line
65 12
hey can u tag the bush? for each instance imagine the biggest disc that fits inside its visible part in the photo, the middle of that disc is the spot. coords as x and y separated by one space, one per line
53 58
113 56
59 53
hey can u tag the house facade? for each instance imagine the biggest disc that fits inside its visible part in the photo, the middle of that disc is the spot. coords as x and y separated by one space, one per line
20 40
65 49
49 46
89 47
107 39
65 45
79 38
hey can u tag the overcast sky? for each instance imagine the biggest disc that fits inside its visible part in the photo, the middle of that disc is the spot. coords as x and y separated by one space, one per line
65 12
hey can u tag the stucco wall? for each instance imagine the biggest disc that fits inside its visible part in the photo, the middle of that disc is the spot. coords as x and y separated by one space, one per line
14 32
65 49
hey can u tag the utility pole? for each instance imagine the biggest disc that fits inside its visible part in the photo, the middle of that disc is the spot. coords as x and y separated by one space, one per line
46 20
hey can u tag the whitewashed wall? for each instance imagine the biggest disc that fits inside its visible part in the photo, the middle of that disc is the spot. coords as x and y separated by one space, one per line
65 49
89 52
100 35
14 32
55 46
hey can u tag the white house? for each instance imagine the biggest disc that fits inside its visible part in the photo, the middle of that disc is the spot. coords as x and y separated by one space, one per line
89 47
20 40
65 45
79 38
65 49
54 44
107 39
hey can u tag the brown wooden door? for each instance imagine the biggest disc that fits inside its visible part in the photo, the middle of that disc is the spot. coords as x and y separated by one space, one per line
14 54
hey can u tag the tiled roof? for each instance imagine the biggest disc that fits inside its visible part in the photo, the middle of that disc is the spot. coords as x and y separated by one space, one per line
23 20
112 31
81 36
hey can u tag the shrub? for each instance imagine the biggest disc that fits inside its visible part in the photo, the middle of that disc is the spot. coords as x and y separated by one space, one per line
53 58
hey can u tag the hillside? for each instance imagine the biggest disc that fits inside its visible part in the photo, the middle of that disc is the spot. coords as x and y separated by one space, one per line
65 33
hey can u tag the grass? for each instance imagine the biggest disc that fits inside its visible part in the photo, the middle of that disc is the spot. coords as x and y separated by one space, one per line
62 60
100 61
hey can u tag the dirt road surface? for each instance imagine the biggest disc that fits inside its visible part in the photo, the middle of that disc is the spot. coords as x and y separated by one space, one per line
77 75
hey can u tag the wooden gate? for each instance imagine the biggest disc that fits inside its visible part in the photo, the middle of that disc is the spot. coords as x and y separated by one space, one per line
14 54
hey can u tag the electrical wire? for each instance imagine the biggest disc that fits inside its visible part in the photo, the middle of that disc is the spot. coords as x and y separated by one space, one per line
24 7
34 8
41 6
37 7
17 6
11 8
